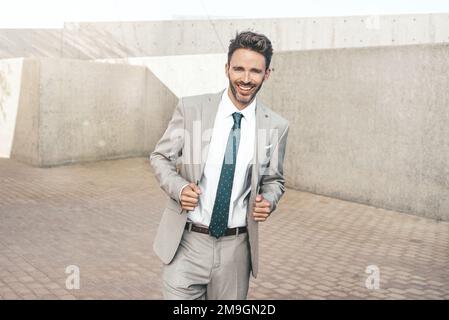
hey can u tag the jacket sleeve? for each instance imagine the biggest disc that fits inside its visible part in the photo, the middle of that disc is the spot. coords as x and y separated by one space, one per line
166 153
272 183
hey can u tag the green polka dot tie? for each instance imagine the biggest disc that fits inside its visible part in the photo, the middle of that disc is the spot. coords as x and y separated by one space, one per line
220 213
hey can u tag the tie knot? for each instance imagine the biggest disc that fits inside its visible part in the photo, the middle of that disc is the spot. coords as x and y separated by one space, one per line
237 119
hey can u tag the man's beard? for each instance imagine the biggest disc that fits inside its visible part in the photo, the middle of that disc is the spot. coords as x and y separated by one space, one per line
245 102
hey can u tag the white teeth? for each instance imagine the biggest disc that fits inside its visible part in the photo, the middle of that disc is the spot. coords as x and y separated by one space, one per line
245 88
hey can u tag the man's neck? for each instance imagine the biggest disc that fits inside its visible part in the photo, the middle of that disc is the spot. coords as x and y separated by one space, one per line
236 103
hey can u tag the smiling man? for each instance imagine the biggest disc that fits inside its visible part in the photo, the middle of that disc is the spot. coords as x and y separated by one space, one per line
220 161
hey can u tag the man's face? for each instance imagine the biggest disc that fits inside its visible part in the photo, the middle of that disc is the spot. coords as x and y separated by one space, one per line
246 73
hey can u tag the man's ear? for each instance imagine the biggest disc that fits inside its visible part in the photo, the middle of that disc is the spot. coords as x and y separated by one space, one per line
267 74
226 70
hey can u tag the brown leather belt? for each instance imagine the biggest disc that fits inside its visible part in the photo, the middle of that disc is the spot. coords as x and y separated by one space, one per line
229 232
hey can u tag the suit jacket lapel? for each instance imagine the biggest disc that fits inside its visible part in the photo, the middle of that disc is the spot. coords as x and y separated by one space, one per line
209 110
263 123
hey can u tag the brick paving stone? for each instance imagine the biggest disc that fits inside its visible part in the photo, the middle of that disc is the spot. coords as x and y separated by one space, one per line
338 294
268 285
397 291
396 296
10 296
282 292
41 291
435 283
101 216
48 297
305 287
287 286
431 291
415 291
315 297
433 297
52 286
26 279
323 288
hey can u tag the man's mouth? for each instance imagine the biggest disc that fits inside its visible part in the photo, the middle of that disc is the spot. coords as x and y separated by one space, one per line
245 88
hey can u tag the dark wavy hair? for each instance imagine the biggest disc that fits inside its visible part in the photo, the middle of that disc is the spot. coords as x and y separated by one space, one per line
253 41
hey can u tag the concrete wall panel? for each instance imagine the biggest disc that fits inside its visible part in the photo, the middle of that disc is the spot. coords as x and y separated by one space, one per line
94 111
10 80
90 111
27 139
158 106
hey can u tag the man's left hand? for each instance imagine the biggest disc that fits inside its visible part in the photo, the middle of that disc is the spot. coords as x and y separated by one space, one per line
262 208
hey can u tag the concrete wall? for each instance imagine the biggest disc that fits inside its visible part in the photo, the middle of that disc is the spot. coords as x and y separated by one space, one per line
10 81
25 143
368 125
185 75
31 43
98 40
159 38
87 111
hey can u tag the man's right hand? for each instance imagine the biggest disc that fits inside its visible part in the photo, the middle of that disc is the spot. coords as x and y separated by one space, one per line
190 196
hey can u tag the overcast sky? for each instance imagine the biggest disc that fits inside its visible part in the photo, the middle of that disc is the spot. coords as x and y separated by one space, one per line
53 13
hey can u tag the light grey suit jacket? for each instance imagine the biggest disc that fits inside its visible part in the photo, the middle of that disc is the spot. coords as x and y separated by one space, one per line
179 158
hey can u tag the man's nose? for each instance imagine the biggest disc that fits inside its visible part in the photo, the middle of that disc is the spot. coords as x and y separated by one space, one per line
246 77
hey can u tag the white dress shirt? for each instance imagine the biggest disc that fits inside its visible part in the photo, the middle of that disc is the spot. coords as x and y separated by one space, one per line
208 184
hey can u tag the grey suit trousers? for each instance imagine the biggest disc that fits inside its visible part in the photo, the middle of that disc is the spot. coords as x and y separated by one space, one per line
208 268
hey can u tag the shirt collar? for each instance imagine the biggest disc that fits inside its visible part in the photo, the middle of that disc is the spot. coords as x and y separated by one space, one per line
227 107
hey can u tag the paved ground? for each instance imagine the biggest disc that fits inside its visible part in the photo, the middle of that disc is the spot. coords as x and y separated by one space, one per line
102 216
